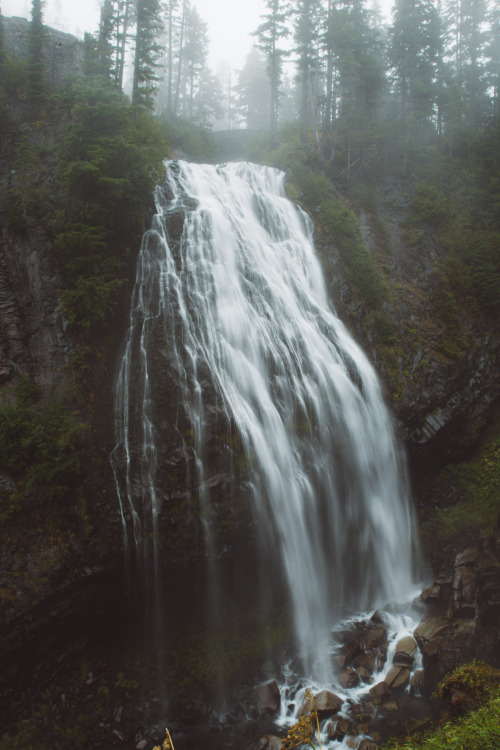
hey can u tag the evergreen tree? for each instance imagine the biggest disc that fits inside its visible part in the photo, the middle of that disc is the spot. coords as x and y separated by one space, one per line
466 44
170 8
307 33
414 53
123 21
2 50
354 57
229 106
36 43
147 52
252 91
195 60
271 31
105 50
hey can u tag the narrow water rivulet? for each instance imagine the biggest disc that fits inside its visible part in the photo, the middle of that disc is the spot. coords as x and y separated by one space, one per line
230 304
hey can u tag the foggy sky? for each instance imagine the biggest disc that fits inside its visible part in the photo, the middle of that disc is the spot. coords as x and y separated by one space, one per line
229 22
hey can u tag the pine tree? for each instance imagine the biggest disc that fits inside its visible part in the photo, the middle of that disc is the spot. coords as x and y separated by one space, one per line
271 31
124 15
2 49
354 60
147 52
252 90
307 35
414 52
36 43
105 40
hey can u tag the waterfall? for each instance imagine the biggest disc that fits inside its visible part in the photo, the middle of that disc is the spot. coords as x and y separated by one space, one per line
236 306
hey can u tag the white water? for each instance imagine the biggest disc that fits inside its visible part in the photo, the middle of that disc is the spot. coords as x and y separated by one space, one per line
244 302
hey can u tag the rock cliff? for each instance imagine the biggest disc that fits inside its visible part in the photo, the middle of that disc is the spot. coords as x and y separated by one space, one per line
440 375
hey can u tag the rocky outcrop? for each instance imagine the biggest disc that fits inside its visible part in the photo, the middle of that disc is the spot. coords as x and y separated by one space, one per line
462 621
441 377
62 53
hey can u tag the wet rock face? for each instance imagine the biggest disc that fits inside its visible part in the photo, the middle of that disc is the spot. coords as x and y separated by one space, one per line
462 621
440 393
63 53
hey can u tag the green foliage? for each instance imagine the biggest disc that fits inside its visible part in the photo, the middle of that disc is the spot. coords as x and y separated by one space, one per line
384 327
485 257
431 205
476 509
40 444
478 680
110 159
479 730
315 187
341 224
37 39
343 227
194 140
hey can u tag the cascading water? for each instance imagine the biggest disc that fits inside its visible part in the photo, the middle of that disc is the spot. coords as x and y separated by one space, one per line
239 307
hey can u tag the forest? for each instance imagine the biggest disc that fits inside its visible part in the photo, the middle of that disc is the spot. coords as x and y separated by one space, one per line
363 113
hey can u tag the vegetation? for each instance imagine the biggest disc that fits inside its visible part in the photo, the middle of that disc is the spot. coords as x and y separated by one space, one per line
475 508
40 448
476 686
37 39
479 730
303 731
110 159
167 743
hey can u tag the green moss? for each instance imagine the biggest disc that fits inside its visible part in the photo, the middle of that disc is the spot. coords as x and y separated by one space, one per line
40 445
476 510
431 205
479 730
342 226
479 680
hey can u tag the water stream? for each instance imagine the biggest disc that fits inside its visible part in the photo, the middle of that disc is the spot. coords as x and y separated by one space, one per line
238 308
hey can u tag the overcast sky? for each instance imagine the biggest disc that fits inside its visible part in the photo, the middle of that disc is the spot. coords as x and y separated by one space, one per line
229 21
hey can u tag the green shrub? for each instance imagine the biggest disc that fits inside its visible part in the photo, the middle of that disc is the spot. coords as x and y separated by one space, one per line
315 187
479 730
479 681
110 159
343 227
40 444
195 141
431 205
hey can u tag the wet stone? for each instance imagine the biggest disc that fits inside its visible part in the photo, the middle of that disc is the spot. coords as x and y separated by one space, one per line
268 697
467 557
367 744
364 673
417 679
365 661
327 702
380 691
337 729
375 638
267 742
349 678
398 677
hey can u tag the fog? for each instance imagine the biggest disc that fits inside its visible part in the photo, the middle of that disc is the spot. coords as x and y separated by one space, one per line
229 23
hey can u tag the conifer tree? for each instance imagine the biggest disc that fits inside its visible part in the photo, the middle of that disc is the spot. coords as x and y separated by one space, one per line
308 30
147 52
36 43
2 50
271 31
107 25
252 90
